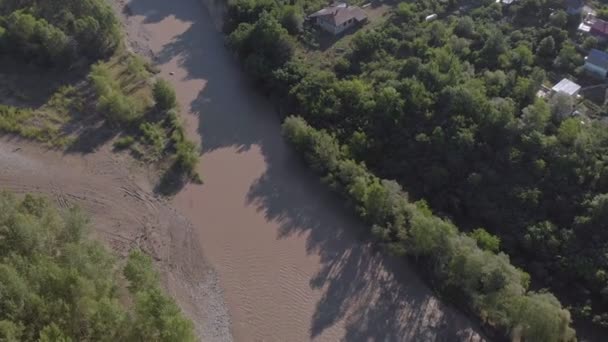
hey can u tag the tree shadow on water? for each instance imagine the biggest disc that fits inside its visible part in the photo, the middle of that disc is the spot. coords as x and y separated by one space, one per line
376 297
171 182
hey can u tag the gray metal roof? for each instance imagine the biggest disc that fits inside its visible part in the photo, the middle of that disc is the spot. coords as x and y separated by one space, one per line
566 86
598 58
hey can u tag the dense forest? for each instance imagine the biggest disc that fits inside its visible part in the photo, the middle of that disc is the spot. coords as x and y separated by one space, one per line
448 109
57 285
58 32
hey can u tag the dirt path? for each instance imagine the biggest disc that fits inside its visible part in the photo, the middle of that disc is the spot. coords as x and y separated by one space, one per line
288 255
124 215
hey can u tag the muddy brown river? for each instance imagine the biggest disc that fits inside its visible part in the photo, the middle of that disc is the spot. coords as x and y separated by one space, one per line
289 256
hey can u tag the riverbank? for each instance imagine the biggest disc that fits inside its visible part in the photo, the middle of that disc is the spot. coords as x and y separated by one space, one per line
117 195
290 258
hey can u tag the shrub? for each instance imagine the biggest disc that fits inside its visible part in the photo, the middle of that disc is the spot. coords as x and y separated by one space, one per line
124 142
119 107
112 102
187 156
164 95
154 135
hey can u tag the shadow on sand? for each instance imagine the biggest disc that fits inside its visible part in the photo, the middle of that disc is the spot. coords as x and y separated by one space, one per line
379 297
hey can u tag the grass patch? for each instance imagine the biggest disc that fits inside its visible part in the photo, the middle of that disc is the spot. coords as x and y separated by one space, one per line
124 142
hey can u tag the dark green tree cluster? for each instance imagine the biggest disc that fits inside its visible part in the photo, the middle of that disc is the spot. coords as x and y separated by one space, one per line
467 269
448 109
263 46
58 32
56 285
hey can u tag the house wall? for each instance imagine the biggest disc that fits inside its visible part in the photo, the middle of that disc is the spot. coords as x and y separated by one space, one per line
344 27
325 25
596 70
329 27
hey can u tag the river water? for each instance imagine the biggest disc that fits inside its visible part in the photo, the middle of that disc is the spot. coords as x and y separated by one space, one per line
291 260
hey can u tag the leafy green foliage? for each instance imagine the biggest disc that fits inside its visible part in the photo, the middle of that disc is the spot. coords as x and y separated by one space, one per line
154 135
448 109
58 32
124 142
485 240
112 101
164 95
56 285
489 284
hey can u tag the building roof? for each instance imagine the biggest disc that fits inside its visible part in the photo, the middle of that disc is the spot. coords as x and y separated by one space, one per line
575 3
598 58
600 27
340 13
566 86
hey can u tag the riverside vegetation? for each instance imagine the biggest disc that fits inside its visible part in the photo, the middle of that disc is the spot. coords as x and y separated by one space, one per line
57 285
448 110
52 38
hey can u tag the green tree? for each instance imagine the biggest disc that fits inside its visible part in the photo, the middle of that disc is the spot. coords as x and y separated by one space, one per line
486 240
546 48
56 285
559 18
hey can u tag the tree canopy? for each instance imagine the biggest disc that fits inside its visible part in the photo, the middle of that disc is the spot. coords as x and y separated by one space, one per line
57 285
58 32
448 110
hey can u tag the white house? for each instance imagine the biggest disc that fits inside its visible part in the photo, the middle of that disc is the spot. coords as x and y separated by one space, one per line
596 63
337 18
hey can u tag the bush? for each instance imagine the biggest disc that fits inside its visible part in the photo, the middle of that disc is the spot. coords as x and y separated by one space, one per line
119 107
154 136
164 95
114 104
124 142
187 156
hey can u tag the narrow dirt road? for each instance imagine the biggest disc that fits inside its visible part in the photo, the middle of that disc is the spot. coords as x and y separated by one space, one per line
289 256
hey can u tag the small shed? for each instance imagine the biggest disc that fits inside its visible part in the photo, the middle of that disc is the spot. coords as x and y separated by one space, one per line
596 63
567 87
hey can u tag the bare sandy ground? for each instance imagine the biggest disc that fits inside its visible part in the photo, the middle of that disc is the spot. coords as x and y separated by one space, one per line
290 258
124 215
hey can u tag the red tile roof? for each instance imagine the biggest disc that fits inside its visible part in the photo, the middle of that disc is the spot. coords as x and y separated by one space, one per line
600 27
